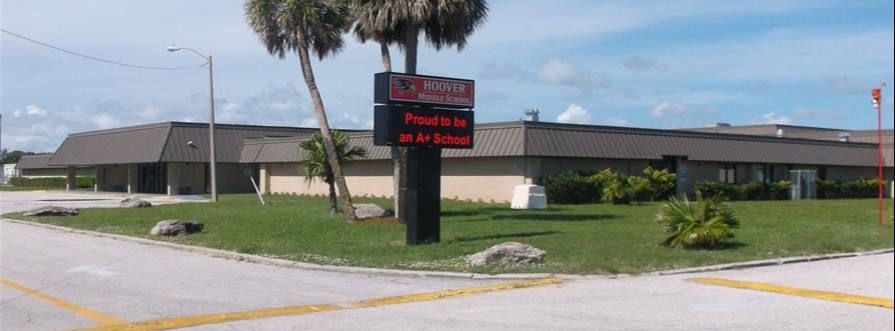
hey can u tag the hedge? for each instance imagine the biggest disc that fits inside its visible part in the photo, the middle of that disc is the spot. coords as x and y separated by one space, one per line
81 182
571 187
854 189
752 191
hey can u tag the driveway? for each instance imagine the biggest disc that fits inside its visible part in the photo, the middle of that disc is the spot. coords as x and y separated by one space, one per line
24 200
53 279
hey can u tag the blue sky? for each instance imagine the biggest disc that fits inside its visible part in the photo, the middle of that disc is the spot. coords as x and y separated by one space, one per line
653 64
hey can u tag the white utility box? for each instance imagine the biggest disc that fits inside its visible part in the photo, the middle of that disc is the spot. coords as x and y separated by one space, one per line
529 197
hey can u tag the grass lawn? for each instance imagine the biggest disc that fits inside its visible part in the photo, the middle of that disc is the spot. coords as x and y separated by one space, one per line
585 239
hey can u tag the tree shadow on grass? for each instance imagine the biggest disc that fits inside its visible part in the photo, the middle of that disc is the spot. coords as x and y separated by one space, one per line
727 245
501 236
490 210
553 217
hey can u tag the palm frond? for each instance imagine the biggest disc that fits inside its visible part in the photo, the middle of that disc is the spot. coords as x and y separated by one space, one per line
703 224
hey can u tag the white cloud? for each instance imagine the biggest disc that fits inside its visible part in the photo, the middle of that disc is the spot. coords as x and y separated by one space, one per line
150 112
105 121
574 114
35 110
772 118
675 114
670 108
31 110
556 71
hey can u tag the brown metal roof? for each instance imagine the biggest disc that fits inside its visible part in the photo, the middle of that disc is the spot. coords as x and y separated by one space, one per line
586 141
162 142
135 144
37 161
497 139
566 140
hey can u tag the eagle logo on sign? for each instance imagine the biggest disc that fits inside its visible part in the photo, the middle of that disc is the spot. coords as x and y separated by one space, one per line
404 85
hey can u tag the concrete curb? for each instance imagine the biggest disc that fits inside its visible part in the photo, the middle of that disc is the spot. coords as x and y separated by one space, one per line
230 255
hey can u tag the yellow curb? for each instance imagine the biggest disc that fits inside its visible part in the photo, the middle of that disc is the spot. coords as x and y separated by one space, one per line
823 295
453 293
95 316
191 321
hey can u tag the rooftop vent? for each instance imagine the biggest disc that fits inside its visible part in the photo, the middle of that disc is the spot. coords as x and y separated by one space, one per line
779 133
844 137
532 114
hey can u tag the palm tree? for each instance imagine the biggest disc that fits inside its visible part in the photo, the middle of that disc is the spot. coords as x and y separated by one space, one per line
316 163
305 26
705 223
444 22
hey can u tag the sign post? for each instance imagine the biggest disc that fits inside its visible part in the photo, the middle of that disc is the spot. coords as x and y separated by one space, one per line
877 96
426 114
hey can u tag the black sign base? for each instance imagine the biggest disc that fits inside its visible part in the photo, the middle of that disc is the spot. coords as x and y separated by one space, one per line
423 195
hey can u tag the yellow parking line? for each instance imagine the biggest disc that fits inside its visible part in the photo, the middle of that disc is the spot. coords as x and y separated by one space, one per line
98 317
386 301
191 321
823 295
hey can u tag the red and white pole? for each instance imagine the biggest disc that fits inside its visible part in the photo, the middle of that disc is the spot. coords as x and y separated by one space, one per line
877 96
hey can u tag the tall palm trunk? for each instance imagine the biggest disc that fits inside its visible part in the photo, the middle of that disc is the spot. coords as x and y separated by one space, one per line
333 208
308 72
398 154
386 57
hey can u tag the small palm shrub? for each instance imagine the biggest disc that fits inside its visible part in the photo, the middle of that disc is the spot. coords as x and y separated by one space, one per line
662 183
619 190
700 224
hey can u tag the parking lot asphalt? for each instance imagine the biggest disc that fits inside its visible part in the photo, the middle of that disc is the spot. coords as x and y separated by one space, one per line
58 280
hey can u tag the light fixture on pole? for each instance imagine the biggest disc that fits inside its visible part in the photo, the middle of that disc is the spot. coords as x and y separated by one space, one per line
212 166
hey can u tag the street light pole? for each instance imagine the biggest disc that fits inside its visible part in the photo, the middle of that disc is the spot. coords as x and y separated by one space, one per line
212 151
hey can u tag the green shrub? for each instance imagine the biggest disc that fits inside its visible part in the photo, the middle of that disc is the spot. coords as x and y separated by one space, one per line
642 190
711 189
828 189
854 189
705 223
661 183
570 187
80 182
751 191
619 190
602 177
779 190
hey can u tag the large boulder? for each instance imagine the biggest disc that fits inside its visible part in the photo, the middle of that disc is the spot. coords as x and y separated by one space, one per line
135 203
369 210
176 228
52 211
507 254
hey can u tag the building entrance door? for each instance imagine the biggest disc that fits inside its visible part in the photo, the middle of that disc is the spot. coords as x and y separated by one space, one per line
152 178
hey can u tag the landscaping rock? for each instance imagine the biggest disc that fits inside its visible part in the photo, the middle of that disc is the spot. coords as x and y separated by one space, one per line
135 203
508 254
176 228
52 211
368 210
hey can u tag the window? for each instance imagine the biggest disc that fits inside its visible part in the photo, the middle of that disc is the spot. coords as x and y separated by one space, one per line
763 173
727 173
